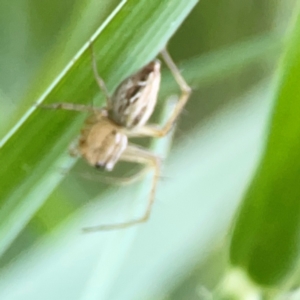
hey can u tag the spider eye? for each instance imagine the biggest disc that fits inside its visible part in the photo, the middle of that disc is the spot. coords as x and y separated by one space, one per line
99 165
104 166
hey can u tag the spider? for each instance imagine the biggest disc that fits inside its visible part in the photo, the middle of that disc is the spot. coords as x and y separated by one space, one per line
104 138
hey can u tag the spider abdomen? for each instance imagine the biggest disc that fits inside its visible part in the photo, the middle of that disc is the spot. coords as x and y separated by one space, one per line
134 100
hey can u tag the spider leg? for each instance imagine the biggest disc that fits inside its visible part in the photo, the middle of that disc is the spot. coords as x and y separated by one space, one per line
138 155
114 180
98 78
185 93
68 106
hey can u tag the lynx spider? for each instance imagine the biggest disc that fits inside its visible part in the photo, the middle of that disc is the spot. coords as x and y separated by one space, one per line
104 138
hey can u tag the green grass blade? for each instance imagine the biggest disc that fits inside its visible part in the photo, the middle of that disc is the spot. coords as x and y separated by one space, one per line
265 241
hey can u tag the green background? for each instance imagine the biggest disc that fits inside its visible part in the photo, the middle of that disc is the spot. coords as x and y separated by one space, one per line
229 52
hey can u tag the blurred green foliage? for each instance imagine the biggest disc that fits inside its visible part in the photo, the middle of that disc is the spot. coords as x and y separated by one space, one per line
228 51
270 212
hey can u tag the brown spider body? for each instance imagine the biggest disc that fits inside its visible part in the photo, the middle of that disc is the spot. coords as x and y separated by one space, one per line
102 140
